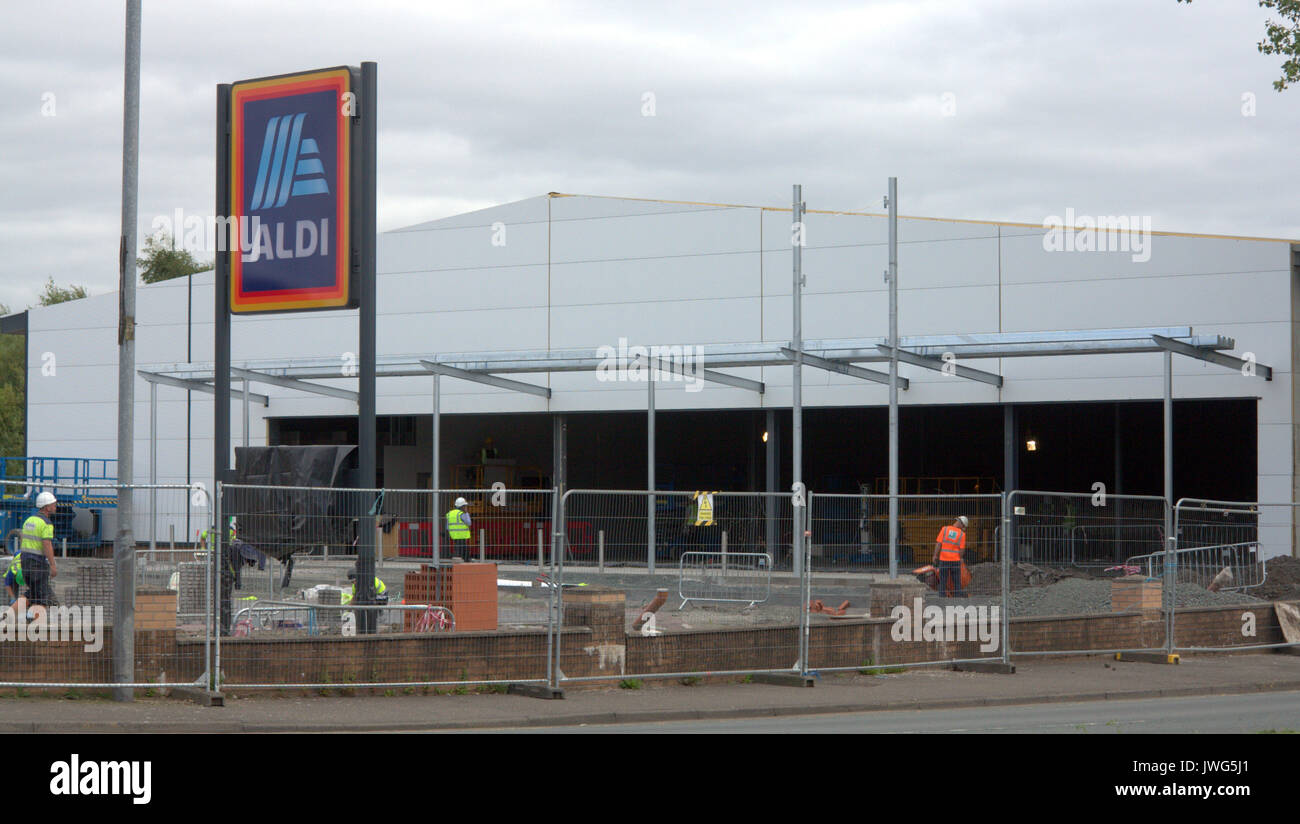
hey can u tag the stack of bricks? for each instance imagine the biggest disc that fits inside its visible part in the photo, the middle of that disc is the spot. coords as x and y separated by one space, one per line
155 609
94 587
468 590
193 594
330 621
1134 593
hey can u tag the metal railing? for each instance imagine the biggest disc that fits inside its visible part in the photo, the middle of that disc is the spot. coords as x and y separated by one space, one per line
1227 546
726 577
173 640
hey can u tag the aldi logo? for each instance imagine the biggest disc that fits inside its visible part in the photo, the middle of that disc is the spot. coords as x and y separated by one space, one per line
290 192
287 154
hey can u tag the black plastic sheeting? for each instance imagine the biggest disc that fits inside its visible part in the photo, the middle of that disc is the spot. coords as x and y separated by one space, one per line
290 518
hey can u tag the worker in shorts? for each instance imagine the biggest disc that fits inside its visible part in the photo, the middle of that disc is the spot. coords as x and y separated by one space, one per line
948 549
37 551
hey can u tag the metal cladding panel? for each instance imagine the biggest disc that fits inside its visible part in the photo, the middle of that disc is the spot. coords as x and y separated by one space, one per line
665 322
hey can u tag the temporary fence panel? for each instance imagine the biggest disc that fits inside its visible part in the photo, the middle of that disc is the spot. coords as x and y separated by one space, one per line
1070 590
935 612
725 577
613 529
449 613
629 628
1236 585
58 631
851 532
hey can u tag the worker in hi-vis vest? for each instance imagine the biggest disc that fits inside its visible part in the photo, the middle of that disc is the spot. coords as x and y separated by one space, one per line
381 589
948 549
458 524
36 553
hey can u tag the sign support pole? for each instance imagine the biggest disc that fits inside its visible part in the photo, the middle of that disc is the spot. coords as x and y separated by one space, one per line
365 242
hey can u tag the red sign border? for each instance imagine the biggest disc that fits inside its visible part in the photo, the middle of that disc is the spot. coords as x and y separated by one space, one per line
338 294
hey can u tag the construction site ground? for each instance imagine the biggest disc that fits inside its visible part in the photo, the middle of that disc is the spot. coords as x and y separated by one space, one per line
1036 681
1035 591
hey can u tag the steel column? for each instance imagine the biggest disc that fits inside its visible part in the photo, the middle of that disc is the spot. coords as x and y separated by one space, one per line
124 545
796 435
893 377
365 240
153 465
650 472
435 512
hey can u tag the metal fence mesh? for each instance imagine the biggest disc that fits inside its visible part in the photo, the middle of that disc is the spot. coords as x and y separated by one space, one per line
932 612
1071 589
439 579
700 593
57 630
1225 552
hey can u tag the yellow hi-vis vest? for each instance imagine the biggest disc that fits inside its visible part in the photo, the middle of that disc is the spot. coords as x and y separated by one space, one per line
36 530
457 530
380 589
704 510
16 567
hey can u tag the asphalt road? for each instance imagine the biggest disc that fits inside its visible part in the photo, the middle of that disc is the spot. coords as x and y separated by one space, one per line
1249 713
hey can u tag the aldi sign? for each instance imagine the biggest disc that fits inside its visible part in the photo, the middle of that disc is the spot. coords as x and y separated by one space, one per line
291 192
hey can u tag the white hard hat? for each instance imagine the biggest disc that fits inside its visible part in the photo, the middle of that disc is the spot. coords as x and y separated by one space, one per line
963 521
45 499
461 502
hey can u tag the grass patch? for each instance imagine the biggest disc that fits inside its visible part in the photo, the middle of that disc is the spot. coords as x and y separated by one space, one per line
691 681
630 684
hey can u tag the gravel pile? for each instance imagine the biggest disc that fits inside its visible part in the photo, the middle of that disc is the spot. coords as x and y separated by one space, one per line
1283 581
987 578
1076 596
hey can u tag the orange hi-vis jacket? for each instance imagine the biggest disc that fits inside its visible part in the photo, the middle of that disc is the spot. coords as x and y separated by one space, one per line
951 540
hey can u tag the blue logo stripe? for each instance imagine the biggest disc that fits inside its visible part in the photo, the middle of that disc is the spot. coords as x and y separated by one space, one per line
286 185
310 166
273 179
309 146
310 187
264 162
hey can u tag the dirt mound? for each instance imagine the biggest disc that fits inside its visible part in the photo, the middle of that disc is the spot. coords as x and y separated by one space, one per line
986 578
1282 582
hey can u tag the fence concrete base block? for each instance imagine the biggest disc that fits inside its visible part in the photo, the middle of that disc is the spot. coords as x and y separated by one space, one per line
202 697
542 691
986 666
1147 657
781 679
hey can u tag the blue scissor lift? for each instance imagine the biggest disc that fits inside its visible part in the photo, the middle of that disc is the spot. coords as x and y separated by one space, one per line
84 487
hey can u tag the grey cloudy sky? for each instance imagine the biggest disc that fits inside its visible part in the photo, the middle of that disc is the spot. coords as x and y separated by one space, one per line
1109 107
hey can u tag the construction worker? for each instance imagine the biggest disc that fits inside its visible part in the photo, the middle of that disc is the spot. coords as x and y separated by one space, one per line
458 524
381 589
948 549
14 583
36 556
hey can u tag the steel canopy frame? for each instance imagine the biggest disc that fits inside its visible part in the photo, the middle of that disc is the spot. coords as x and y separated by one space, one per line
747 355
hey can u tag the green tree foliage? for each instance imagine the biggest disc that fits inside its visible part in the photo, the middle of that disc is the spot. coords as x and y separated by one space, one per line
59 294
12 392
1281 38
161 260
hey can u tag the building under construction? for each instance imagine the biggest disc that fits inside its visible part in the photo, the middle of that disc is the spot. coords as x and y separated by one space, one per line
526 327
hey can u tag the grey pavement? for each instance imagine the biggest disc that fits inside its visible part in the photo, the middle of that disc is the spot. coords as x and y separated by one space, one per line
1036 681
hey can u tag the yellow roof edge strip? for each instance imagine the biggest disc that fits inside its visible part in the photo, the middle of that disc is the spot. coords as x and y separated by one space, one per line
904 217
